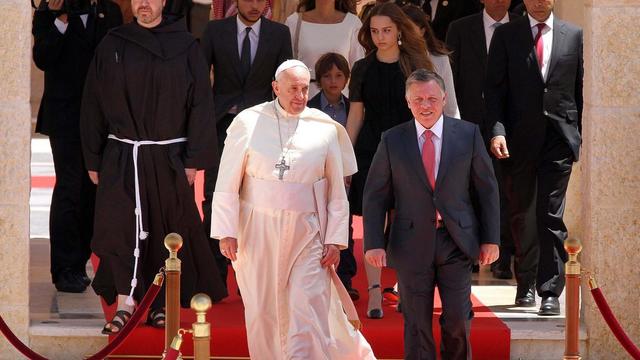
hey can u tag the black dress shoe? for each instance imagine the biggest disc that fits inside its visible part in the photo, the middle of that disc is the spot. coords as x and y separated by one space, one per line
83 278
68 282
550 306
525 297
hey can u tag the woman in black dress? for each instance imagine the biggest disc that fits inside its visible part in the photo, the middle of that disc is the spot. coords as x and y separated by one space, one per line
377 94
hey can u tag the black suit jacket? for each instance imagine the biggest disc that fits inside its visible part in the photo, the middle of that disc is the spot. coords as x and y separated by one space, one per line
65 59
445 14
466 39
397 180
220 47
520 103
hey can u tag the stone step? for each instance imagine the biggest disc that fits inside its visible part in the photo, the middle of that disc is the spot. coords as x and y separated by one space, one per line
77 339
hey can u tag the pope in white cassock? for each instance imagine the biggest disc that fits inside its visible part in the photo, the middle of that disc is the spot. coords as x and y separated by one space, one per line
281 213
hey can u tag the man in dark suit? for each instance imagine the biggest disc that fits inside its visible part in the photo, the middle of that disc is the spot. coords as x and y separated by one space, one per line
443 12
244 51
65 36
468 39
423 169
534 101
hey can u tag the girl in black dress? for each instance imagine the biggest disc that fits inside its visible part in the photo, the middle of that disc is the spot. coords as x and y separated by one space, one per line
377 93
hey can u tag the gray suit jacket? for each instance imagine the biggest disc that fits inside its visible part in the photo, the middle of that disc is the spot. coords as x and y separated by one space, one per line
397 180
220 47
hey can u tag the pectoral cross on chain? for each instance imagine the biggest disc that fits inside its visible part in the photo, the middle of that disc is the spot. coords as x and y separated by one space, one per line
282 167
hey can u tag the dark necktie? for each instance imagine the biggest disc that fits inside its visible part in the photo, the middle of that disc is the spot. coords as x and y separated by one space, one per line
539 44
75 23
245 56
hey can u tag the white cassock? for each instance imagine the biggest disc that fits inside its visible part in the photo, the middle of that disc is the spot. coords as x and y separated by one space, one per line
292 308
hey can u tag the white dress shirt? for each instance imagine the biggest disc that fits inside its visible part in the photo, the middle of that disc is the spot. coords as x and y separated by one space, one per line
436 129
254 36
62 27
547 41
490 26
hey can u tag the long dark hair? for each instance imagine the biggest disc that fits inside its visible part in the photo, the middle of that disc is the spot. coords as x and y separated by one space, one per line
434 45
413 51
345 6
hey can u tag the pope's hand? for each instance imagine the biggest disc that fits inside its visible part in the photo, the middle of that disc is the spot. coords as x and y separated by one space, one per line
488 254
229 248
376 257
330 256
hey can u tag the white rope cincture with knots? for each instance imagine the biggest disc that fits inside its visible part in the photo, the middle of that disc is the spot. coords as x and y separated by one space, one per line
140 233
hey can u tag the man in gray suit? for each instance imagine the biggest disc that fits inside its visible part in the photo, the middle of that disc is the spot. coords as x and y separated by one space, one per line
244 51
423 169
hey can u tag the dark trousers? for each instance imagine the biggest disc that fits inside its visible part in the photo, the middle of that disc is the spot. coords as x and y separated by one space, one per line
72 205
507 247
536 195
348 267
210 176
450 270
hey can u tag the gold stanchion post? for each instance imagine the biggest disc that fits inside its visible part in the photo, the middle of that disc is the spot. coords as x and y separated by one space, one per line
173 243
201 303
572 301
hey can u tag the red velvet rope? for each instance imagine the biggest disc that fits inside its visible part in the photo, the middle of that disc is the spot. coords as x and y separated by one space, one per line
151 294
614 325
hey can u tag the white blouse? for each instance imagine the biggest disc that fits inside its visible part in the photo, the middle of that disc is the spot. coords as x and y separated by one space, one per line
316 40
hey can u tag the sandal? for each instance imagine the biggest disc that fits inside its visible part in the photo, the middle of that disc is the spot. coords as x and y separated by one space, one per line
375 313
157 318
116 324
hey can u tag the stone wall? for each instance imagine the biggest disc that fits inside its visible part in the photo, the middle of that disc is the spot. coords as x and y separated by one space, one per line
610 189
15 150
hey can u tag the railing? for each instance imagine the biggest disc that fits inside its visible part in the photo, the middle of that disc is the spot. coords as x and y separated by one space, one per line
573 275
200 303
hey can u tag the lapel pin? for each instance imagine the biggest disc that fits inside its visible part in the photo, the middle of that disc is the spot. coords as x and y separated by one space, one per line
445 3
101 15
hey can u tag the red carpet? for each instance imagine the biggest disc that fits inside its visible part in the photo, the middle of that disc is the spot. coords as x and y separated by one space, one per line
490 337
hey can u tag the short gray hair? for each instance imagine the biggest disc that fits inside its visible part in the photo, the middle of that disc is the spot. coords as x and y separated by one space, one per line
424 76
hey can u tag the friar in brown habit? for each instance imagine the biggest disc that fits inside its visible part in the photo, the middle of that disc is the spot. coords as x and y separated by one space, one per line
147 125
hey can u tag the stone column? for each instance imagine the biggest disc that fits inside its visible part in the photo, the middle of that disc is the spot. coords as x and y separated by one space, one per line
611 164
15 150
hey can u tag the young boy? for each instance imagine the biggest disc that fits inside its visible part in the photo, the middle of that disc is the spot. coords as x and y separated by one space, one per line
332 74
